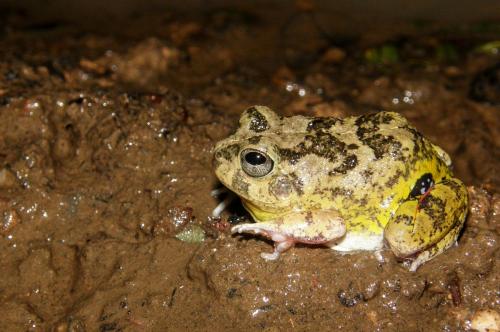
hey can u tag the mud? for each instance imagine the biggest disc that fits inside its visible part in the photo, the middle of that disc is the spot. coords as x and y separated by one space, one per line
105 163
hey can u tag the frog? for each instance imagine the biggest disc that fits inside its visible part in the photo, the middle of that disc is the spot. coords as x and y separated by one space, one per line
360 183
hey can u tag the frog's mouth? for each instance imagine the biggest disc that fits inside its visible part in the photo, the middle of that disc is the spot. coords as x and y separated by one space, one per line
260 214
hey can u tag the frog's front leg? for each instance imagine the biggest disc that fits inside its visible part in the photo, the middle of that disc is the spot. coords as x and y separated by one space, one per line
313 227
424 227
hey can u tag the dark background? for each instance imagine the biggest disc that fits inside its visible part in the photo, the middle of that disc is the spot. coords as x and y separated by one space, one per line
95 11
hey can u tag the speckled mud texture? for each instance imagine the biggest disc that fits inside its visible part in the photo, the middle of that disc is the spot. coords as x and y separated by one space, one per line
106 165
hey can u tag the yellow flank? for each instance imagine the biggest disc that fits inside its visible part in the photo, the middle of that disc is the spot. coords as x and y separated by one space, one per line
259 214
366 176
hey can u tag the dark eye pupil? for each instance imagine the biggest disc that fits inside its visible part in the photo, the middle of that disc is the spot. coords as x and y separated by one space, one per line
255 158
256 163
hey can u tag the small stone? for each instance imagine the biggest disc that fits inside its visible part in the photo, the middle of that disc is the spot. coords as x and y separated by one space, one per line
181 32
63 148
371 290
494 220
283 76
480 208
333 55
76 325
193 234
93 66
453 71
9 218
486 321
372 317
7 179
349 297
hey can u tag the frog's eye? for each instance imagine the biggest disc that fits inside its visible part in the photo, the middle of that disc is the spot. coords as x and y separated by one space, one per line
256 163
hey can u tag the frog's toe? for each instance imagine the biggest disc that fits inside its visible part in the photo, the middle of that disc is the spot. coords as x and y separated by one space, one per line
247 228
267 230
222 206
378 256
279 247
243 228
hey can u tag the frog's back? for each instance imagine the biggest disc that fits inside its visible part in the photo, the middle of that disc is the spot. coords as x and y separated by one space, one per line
399 147
390 158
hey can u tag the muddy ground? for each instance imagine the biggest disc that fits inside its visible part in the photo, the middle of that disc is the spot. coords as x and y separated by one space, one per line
105 163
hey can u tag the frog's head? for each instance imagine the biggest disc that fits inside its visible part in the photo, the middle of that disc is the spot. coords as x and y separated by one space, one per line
255 162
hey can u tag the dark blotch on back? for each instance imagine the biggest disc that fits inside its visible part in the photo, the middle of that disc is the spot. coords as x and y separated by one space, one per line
384 117
290 155
349 163
417 138
340 192
382 145
324 145
366 126
368 133
258 122
319 143
322 123
393 180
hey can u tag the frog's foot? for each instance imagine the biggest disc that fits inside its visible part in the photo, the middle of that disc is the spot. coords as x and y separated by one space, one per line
378 256
279 247
423 228
426 255
281 242
225 203
316 227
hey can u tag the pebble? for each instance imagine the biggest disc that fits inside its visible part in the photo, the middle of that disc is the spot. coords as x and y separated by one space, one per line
7 179
486 321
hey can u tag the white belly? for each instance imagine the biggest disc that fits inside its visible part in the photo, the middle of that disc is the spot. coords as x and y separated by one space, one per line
356 241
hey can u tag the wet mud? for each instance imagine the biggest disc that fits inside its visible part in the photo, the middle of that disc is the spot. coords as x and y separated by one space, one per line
106 173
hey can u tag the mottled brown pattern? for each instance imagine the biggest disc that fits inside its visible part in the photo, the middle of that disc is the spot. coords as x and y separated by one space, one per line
290 155
340 191
383 145
359 167
407 220
229 152
322 124
349 163
394 179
